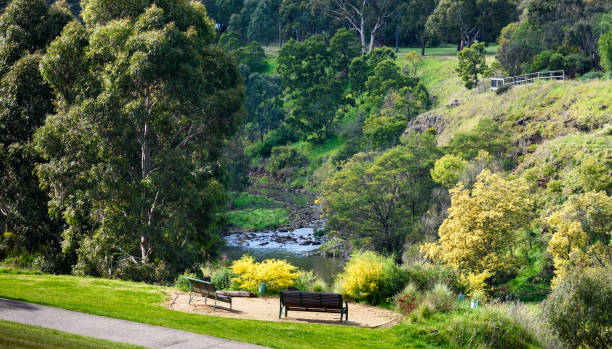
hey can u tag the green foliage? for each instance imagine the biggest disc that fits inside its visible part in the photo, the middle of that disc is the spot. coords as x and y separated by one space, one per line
371 277
374 197
222 278
305 280
283 157
579 309
244 200
517 46
263 102
130 165
605 51
471 64
344 46
262 24
358 74
182 283
253 56
448 169
26 28
258 218
425 276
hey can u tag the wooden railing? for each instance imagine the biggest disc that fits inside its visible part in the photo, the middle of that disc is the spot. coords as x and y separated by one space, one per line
527 78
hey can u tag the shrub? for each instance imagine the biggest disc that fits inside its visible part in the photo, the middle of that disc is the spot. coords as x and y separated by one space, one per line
579 309
182 283
222 279
503 89
426 276
441 298
605 51
407 300
372 278
486 327
319 286
284 157
304 281
277 274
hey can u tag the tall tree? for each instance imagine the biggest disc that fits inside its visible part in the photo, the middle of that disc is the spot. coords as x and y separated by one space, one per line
26 28
264 103
344 46
134 152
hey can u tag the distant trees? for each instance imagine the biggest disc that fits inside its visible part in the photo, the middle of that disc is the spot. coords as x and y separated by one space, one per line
366 17
264 103
145 106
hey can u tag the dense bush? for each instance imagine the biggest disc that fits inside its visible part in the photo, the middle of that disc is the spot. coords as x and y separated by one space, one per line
372 278
426 275
304 280
222 278
283 157
182 283
277 274
580 309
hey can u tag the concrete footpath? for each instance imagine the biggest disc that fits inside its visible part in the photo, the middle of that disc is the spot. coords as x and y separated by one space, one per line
111 329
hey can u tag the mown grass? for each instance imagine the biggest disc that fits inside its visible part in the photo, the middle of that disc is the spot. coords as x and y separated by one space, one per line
143 303
15 335
443 50
258 218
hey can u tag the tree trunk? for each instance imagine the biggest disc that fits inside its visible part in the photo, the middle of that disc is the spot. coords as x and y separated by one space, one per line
145 159
423 47
396 37
364 48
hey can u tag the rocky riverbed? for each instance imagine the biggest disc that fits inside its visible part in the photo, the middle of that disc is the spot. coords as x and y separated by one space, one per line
301 240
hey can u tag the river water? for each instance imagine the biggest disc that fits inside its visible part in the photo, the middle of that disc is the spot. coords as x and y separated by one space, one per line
297 247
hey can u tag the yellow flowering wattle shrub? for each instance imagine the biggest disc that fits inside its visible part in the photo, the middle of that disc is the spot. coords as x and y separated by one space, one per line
371 277
277 274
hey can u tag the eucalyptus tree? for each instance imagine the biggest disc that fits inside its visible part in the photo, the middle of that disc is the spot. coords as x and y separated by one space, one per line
146 104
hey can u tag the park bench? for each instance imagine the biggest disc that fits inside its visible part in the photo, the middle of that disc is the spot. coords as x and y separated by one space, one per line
207 289
312 301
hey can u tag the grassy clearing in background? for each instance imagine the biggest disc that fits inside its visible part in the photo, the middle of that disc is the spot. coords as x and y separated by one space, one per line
143 303
246 200
258 218
14 335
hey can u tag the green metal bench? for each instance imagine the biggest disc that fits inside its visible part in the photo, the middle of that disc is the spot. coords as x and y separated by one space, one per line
207 289
312 301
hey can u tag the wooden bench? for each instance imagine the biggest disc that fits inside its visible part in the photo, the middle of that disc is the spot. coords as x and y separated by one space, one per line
207 289
312 301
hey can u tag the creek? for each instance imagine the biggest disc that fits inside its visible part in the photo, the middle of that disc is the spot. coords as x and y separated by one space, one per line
298 247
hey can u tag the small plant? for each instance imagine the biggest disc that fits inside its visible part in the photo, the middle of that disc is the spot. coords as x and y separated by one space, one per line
182 283
503 89
407 300
222 279
304 280
319 286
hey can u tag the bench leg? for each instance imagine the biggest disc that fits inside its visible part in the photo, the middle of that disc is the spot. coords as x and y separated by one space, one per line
205 299
285 311
280 313
215 307
190 297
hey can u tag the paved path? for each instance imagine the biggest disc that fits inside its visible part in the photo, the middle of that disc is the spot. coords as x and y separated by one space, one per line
111 329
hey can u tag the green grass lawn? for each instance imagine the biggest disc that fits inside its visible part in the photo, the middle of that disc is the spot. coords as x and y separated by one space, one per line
14 335
143 303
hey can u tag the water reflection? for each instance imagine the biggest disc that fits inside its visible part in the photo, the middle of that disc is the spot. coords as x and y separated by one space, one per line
323 266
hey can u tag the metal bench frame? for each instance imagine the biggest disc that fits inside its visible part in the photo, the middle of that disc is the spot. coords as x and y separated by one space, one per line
207 291
323 308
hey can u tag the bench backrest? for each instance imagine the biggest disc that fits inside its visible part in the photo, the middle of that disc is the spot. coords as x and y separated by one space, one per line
201 286
311 299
